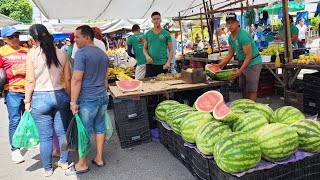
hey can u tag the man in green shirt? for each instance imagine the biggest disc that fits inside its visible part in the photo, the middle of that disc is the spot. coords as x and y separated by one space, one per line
241 43
136 41
155 48
294 32
70 43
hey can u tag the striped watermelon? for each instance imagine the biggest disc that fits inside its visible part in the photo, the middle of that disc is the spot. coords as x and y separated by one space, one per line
207 101
223 113
179 117
209 134
309 135
211 69
162 108
250 122
237 152
224 74
263 109
172 110
241 104
277 141
287 115
191 123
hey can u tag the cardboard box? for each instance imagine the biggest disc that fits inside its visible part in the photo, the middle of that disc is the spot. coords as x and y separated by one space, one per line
197 76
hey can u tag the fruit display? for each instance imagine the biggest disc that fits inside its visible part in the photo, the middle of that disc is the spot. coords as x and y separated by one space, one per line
277 141
172 110
241 104
313 59
224 75
223 113
113 52
287 115
309 135
129 85
209 134
179 117
249 122
167 76
262 109
211 70
237 152
207 101
273 49
113 72
162 108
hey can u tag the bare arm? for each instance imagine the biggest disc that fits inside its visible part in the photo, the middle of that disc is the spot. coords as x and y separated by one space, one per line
76 82
294 38
30 82
106 80
170 47
228 57
67 76
145 52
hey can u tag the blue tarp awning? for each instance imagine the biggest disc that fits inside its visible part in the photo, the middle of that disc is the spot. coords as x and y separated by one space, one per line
61 36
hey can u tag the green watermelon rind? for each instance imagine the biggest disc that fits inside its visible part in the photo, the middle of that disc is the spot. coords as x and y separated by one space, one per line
263 109
229 118
237 152
162 108
287 115
172 110
225 74
242 104
309 135
204 94
249 122
178 119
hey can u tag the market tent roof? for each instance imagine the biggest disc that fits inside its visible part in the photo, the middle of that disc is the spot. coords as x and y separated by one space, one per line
124 9
292 7
6 21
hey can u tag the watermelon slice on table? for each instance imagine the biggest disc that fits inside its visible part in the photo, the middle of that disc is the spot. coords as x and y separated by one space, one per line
223 113
129 85
211 69
207 101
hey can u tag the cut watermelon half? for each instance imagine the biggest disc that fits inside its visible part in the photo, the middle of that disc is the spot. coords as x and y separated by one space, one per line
211 70
207 101
224 113
129 85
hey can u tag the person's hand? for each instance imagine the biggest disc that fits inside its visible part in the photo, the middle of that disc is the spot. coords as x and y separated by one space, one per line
235 75
27 107
74 108
217 65
149 59
166 66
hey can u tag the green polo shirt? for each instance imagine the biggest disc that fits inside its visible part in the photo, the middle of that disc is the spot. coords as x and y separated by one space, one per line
293 29
136 41
243 38
157 46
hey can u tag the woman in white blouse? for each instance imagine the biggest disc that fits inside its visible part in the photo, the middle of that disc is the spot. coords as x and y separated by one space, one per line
303 30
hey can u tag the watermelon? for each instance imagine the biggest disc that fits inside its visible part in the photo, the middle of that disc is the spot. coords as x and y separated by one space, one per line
172 110
223 113
211 69
207 101
224 74
162 108
277 141
209 134
287 115
238 112
129 85
250 122
237 152
263 109
309 135
179 117
241 104
191 123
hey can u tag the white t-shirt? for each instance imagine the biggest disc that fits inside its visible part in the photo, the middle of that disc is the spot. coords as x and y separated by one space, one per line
96 42
200 45
302 31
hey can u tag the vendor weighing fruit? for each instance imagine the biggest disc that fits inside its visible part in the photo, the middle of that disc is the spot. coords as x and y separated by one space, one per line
241 43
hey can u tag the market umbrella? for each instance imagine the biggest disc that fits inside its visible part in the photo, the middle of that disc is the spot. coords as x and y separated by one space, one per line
292 7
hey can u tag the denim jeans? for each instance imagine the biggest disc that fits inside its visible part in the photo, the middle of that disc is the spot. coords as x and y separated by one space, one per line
50 109
15 106
91 112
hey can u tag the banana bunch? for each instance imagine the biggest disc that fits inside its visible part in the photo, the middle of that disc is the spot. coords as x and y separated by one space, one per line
272 50
122 77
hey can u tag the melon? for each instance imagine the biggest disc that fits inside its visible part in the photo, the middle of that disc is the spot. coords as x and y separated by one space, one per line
178 118
242 104
223 113
129 85
173 110
162 108
287 115
250 122
207 101
262 109
211 69
224 74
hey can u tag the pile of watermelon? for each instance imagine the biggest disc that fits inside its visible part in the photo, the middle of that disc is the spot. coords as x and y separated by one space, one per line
240 135
216 73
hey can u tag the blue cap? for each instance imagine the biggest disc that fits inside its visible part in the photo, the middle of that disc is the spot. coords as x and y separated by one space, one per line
8 31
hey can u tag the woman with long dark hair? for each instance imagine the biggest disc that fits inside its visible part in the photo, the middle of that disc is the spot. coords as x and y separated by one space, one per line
45 95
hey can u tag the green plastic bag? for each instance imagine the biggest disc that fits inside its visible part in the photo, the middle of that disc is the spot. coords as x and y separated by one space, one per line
26 134
109 126
84 143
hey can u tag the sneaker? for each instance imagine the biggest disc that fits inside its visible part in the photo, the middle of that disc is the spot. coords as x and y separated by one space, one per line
17 157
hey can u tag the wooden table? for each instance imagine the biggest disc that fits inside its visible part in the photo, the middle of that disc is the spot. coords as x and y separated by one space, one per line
294 70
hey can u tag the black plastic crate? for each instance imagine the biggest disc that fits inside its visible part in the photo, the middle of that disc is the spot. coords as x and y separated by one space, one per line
183 153
170 141
313 79
130 109
133 133
200 165
224 90
163 134
311 105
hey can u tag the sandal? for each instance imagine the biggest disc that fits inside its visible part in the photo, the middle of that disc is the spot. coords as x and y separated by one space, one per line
72 171
99 165
48 173
63 166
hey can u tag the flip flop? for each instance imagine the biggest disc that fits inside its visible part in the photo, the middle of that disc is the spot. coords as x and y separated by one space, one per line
72 171
99 165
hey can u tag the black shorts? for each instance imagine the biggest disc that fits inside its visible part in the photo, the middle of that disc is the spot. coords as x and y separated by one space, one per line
154 70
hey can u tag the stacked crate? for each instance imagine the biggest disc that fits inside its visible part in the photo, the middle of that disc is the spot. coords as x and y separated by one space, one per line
311 93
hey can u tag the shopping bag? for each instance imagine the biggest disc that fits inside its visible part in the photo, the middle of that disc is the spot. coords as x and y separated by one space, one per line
26 134
84 143
70 143
109 126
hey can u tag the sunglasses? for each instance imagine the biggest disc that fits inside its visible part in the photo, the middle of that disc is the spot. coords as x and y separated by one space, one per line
14 35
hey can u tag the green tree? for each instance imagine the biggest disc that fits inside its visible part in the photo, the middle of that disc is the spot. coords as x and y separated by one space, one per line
19 10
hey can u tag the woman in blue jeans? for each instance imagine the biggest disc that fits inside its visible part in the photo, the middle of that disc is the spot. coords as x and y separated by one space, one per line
45 95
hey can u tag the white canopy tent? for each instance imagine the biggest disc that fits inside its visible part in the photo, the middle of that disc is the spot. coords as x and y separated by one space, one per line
6 21
124 9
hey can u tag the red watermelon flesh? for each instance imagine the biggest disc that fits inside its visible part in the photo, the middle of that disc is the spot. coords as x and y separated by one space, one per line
221 110
129 85
207 101
213 68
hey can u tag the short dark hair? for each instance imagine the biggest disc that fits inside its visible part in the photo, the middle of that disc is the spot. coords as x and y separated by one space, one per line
86 31
135 28
155 13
